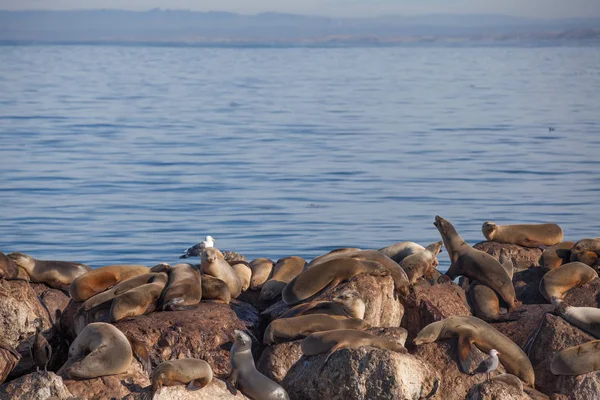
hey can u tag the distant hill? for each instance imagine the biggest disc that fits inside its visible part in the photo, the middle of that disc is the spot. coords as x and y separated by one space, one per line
181 25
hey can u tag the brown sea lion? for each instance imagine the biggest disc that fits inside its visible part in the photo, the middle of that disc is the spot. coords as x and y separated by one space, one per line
587 251
99 279
331 341
421 263
215 289
138 301
399 251
335 253
555 256
585 318
261 271
284 271
108 295
486 305
328 274
99 350
244 272
187 371
9 269
214 264
472 330
556 283
526 235
347 304
577 360
183 288
56 274
304 325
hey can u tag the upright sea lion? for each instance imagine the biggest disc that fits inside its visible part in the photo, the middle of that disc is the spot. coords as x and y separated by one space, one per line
261 270
335 253
183 288
139 300
328 274
586 251
557 255
347 304
475 264
577 360
556 283
585 318
215 289
214 264
331 341
245 375
10 270
98 280
56 274
244 272
304 325
284 271
526 235
195 373
117 290
472 330
99 350
421 263
399 251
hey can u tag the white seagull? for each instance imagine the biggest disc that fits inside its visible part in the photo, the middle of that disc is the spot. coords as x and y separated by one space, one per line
489 365
198 249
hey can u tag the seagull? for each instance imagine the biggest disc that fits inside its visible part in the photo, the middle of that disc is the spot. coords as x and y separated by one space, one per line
489 365
196 250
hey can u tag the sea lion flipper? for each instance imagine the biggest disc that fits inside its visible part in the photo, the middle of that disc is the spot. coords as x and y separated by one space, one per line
231 383
140 351
197 384
464 353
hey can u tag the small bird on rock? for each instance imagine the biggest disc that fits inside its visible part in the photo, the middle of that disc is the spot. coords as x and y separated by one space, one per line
198 249
41 352
489 365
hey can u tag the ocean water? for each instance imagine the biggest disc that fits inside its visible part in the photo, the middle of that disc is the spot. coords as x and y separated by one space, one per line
130 154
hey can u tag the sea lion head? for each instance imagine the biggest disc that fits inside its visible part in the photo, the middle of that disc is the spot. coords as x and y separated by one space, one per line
242 339
489 229
211 255
353 304
435 248
23 260
161 267
429 334
443 225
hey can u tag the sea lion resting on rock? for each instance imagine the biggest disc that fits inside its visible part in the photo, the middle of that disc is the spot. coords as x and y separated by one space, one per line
98 280
245 375
421 263
215 289
304 325
328 274
527 235
587 251
261 271
472 330
138 301
99 350
475 264
556 283
117 290
347 304
399 251
244 272
585 318
336 253
214 264
331 341
195 373
557 255
56 274
182 289
577 360
284 271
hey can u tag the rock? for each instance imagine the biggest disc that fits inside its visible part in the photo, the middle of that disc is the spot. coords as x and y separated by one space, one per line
556 334
35 386
52 300
248 315
522 257
585 296
426 304
215 390
442 357
7 364
527 286
364 373
495 390
521 330
382 308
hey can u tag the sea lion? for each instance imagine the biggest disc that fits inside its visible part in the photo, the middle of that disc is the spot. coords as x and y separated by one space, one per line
195 373
585 318
183 288
475 264
577 360
215 289
586 251
399 251
105 297
261 270
556 283
284 271
472 330
214 264
244 272
56 274
335 253
328 274
139 300
245 375
526 235
98 280
557 255
9 269
40 350
421 263
331 341
486 305
99 350
347 304
304 325
510 380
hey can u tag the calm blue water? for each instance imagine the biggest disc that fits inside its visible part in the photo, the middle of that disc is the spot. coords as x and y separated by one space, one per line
115 154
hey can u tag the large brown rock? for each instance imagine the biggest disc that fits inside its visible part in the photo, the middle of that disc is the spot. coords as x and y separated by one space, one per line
428 303
527 284
522 257
521 330
7 363
556 334
382 308
496 390
215 390
587 295
360 374
35 386
442 357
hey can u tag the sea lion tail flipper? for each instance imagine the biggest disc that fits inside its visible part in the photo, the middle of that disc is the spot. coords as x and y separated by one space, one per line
464 353
198 384
140 352
331 351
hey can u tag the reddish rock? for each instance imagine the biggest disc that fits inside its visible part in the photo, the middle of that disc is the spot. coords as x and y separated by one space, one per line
8 362
53 300
585 296
520 331
522 257
496 390
527 284
426 304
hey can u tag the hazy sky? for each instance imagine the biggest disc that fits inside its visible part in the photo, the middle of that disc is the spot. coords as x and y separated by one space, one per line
528 8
